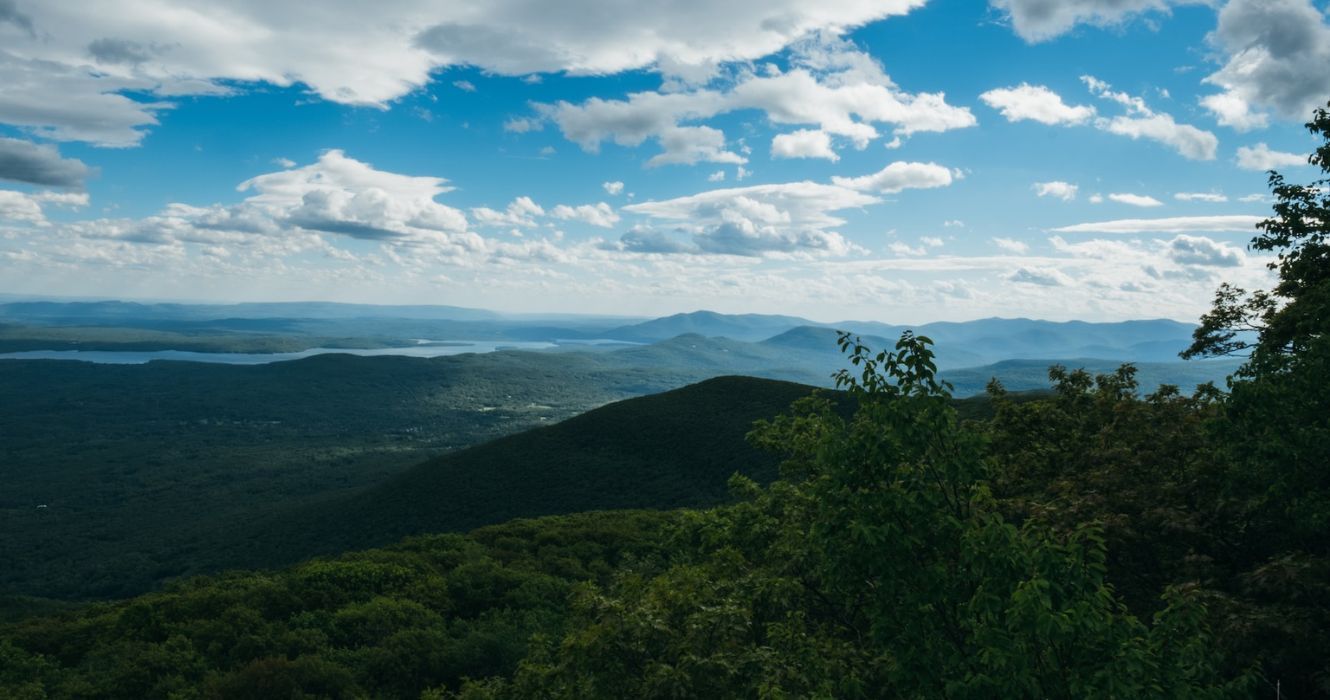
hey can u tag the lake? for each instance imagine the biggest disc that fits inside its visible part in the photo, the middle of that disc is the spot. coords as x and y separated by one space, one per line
136 357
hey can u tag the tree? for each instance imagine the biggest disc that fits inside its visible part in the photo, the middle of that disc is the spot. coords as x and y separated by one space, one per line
1286 320
878 566
1276 428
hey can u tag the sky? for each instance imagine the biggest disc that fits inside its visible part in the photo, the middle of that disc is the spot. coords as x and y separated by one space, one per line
893 160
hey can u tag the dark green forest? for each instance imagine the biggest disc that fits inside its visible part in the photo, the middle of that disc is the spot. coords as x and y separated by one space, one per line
1093 541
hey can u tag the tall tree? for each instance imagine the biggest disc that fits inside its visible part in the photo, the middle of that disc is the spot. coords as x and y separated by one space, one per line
1277 427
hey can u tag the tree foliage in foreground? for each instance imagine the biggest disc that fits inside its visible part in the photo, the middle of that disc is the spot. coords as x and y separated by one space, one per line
879 566
1276 427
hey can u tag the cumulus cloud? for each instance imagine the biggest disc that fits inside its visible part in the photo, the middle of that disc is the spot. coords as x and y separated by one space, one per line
1233 111
742 236
899 176
1261 157
1191 142
1064 191
792 218
1198 250
1175 224
613 188
1141 122
804 143
1036 103
761 219
28 208
346 197
351 53
1135 200
1041 20
797 203
599 214
520 212
33 164
1277 53
1211 197
687 145
20 207
831 85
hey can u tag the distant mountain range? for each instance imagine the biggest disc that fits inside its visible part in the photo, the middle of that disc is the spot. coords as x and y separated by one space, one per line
959 344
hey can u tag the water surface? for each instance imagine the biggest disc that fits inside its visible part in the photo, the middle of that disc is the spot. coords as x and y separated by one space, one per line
138 357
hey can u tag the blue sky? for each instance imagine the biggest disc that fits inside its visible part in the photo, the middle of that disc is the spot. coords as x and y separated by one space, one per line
896 160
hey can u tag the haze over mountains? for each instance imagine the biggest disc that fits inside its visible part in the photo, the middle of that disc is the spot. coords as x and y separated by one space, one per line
32 325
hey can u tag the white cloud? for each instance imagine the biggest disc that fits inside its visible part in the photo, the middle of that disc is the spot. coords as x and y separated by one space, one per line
344 196
520 212
599 214
1211 197
833 86
688 145
464 85
804 143
1064 191
779 219
1260 157
1187 140
1254 197
1277 52
1037 103
718 176
931 241
795 203
761 219
898 176
953 223
1135 200
1233 111
1176 224
1012 246
284 163
1041 20
1096 198
613 188
1198 250
1141 122
20 207
352 53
